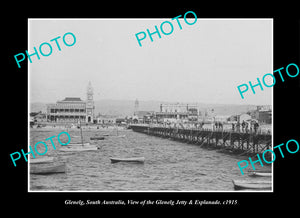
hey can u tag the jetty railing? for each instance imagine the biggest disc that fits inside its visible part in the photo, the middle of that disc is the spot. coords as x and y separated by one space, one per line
233 142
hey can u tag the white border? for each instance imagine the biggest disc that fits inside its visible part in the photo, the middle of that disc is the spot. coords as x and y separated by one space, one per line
145 191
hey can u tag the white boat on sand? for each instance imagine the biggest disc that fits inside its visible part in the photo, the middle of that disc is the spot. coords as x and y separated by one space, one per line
130 160
254 185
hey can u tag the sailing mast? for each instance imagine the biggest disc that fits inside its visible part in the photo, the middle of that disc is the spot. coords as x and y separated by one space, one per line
81 133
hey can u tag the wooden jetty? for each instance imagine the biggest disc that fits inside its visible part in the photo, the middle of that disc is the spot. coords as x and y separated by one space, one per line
227 141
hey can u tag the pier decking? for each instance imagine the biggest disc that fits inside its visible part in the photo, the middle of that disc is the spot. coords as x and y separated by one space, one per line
233 142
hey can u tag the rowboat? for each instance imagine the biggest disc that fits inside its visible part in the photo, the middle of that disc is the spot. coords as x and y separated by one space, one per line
78 144
118 136
79 148
56 168
130 160
97 138
42 160
259 171
256 185
259 174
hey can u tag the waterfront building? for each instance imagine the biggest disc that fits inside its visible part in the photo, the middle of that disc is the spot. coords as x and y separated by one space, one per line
106 119
39 117
72 109
263 114
143 116
177 112
222 118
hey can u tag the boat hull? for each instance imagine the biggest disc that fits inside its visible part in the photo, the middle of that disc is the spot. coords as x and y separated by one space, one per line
42 160
253 185
79 148
97 138
57 168
78 144
128 160
258 174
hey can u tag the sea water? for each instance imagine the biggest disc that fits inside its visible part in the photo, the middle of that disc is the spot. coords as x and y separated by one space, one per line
169 165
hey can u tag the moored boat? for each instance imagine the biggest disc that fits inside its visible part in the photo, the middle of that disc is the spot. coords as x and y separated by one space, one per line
260 174
97 138
130 160
77 144
42 160
79 148
254 185
118 136
48 169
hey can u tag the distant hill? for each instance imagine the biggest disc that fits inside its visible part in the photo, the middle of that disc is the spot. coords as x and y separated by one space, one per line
126 107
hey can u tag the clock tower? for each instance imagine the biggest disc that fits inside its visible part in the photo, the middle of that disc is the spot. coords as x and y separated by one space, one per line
90 104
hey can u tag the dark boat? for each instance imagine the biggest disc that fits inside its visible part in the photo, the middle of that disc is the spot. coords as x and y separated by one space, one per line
97 138
130 160
49 169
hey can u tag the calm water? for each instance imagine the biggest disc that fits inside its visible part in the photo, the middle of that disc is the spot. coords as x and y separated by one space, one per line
169 165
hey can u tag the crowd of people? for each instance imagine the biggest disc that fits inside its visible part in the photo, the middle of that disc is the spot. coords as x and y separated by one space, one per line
247 127
242 127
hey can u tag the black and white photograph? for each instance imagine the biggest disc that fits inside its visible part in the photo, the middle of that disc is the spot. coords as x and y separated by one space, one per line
190 108
118 105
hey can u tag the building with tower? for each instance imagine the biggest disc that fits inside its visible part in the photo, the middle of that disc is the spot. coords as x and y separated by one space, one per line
72 109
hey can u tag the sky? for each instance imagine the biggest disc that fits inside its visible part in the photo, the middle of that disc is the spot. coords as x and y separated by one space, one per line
204 62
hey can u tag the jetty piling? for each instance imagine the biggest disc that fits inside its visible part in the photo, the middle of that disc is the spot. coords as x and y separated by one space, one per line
233 142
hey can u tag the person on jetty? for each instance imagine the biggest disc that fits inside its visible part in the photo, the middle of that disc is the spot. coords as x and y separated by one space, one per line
216 125
256 127
243 126
246 127
238 126
221 126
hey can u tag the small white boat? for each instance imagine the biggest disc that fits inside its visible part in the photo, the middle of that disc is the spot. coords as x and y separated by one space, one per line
42 160
260 174
79 148
118 136
131 159
255 185
48 169
77 144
